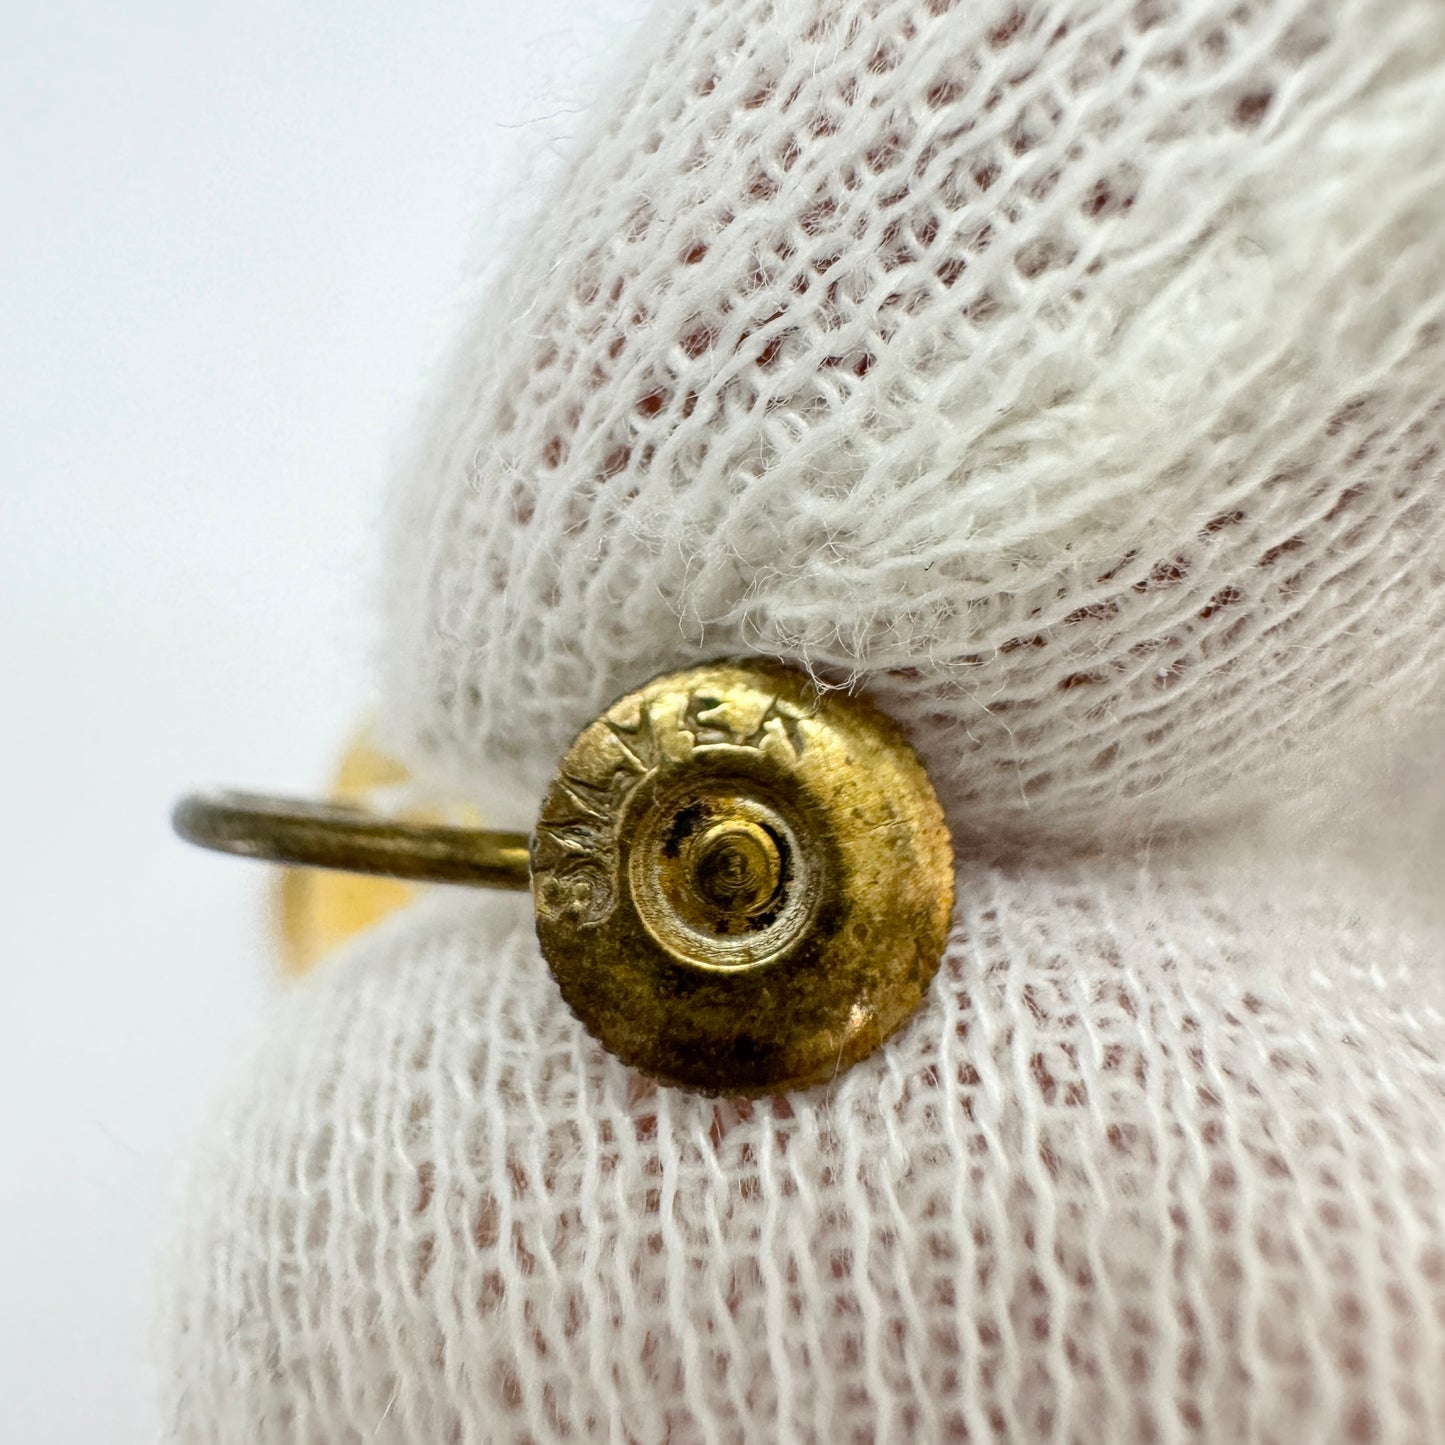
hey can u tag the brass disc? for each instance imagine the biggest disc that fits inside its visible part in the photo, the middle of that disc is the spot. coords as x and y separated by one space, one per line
742 884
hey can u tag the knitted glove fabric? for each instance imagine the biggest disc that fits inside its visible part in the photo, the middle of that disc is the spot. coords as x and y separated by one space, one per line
1160 1159
1069 374
1073 377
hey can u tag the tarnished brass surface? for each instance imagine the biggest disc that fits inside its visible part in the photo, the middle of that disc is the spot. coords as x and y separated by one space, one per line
317 910
741 885
320 835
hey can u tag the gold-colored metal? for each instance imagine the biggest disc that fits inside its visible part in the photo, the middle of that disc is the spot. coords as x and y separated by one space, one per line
742 884
316 910
321 835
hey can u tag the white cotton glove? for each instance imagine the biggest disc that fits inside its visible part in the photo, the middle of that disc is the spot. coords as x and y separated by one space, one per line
1073 378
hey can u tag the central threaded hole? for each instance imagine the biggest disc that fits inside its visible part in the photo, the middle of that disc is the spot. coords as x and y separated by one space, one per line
736 866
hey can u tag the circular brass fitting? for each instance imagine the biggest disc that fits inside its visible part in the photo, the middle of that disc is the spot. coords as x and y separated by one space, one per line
742 884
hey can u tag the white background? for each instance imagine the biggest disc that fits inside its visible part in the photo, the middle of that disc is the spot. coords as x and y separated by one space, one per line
231 240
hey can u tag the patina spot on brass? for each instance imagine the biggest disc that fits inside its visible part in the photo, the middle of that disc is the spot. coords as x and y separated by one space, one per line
742 884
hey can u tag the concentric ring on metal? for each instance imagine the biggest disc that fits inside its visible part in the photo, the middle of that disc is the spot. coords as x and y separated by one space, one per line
742 884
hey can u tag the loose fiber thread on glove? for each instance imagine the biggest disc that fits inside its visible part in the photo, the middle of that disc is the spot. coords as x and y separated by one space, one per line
1161 1162
1068 373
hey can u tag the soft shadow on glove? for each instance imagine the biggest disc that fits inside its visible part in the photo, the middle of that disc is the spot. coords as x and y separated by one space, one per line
1160 1160
1070 376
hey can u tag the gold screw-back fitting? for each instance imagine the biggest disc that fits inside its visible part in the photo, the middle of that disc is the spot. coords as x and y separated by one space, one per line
742 884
